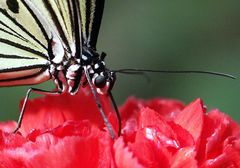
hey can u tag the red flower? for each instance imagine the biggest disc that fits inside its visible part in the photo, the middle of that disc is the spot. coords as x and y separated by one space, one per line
69 132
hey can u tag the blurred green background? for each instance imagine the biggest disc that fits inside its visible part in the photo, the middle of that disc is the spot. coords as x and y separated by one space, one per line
166 35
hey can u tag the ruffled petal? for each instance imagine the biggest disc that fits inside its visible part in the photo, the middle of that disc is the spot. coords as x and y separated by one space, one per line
124 157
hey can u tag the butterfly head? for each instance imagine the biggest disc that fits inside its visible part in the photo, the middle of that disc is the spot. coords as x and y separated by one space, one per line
104 81
102 78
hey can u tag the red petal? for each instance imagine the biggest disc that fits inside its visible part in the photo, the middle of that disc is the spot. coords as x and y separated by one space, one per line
159 129
9 140
130 112
131 108
233 141
220 131
168 108
220 127
185 158
156 133
182 135
219 118
191 118
149 153
8 126
124 157
230 158
72 150
51 111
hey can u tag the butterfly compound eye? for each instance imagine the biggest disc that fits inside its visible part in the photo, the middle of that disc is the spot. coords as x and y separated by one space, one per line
100 81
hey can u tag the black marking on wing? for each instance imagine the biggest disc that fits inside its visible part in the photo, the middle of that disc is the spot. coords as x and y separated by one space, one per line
77 29
57 24
96 10
15 57
4 12
65 10
39 24
70 6
41 66
16 33
13 6
88 12
23 47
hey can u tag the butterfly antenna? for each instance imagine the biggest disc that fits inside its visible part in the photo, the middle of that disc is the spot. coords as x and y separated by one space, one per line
117 113
131 71
136 73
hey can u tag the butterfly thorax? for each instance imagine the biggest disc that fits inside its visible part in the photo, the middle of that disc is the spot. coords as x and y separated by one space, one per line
69 74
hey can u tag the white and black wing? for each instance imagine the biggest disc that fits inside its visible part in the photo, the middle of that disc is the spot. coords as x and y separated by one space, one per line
27 28
23 45
91 17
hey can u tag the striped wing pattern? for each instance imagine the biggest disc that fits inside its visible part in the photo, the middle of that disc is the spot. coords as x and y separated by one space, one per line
23 46
26 28
91 16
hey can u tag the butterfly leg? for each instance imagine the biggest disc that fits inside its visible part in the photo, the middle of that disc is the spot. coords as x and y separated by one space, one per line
30 90
110 129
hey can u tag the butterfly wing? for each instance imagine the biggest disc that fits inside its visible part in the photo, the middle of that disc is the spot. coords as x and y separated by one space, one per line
23 46
26 29
60 18
91 12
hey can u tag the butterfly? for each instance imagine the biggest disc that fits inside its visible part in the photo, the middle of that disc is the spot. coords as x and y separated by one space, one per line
54 39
